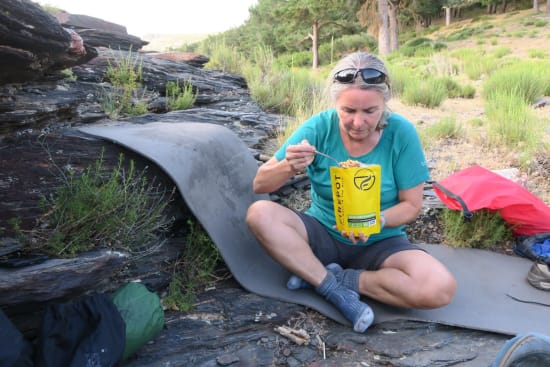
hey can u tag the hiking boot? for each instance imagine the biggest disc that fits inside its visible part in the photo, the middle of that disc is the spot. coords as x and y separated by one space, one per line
539 276
524 350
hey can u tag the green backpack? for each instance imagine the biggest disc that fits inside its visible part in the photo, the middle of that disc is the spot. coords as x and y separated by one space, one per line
142 312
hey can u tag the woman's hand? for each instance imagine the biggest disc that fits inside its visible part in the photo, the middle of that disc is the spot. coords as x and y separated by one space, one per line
300 156
351 236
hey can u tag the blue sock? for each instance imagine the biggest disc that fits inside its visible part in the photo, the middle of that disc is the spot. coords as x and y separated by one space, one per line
347 302
295 282
349 278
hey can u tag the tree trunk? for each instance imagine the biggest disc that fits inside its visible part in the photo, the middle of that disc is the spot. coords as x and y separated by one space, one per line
536 6
315 44
547 6
383 32
394 31
447 16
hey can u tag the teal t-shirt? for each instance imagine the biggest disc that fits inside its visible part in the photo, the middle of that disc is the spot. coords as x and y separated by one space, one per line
399 153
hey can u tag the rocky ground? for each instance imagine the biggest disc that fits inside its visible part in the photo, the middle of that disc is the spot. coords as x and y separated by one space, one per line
231 327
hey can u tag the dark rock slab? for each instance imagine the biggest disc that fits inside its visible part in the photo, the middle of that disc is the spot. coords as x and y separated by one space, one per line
231 327
42 282
33 43
97 32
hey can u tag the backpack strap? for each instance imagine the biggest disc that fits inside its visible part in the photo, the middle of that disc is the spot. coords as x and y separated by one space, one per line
465 211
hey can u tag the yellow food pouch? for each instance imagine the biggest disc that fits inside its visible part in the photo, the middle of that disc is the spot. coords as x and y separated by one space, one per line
356 195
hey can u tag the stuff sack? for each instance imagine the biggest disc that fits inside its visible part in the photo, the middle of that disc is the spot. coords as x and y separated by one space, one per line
477 188
89 332
15 351
143 314
536 247
524 350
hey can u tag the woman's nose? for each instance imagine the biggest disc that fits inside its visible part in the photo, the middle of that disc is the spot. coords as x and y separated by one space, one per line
359 119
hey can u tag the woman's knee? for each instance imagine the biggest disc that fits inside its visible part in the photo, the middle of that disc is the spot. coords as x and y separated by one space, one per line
437 292
258 212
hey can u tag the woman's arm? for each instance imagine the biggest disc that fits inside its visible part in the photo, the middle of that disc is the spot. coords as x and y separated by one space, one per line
408 208
274 173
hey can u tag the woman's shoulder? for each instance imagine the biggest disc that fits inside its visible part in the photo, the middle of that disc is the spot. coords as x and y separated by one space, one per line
328 114
398 118
398 122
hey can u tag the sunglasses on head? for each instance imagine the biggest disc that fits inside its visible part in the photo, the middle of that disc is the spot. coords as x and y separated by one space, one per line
369 75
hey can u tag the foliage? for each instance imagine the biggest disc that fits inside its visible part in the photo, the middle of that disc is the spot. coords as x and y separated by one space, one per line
68 74
501 52
223 56
477 65
125 75
195 268
120 210
179 97
484 230
530 79
511 123
538 54
336 48
467 32
421 46
446 128
428 92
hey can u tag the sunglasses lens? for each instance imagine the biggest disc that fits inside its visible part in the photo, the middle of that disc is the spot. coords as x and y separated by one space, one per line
373 76
370 76
345 76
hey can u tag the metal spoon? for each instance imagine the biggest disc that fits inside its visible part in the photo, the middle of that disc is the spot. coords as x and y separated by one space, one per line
328 156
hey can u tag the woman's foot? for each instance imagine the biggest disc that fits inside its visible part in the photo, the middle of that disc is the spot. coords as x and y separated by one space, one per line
347 302
349 278
295 282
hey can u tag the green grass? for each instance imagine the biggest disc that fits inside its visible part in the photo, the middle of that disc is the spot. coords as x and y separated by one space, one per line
484 230
512 123
119 210
179 97
125 98
194 270
429 92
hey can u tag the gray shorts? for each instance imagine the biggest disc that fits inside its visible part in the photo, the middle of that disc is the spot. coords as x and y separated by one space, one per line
330 250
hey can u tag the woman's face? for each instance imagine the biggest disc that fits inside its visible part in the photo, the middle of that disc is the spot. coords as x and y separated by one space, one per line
359 111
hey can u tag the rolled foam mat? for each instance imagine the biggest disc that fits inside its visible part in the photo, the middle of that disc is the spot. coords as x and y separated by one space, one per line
213 170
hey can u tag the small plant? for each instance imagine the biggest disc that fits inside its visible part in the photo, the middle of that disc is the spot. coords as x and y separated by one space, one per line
118 210
179 97
429 92
538 54
194 270
446 128
125 75
485 229
501 52
68 74
511 121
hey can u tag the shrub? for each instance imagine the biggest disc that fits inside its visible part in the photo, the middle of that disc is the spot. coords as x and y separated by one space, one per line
195 268
120 210
179 97
446 128
528 80
427 92
468 91
421 46
511 122
485 229
125 75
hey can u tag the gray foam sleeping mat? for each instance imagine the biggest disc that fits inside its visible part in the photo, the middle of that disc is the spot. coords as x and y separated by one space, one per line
213 170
